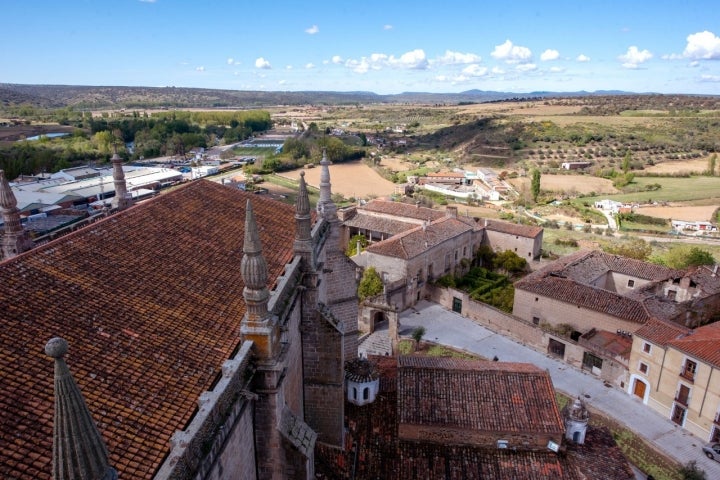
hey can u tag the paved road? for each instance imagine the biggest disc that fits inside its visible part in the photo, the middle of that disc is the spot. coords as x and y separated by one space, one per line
449 328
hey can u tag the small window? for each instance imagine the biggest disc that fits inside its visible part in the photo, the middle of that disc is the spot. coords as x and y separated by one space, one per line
455 254
643 368
366 393
502 444
631 283
536 299
647 347
536 320
464 251
689 370
671 294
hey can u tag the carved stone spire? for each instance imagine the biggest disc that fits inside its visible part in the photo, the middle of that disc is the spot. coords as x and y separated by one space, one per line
15 239
258 324
254 270
122 199
325 206
302 219
78 448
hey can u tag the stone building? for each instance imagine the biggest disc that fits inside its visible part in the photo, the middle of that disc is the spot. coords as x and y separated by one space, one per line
466 419
673 370
207 337
411 245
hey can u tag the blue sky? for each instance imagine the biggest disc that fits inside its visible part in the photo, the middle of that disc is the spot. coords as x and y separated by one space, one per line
380 46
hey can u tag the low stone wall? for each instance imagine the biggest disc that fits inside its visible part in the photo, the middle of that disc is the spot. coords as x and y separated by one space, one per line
522 331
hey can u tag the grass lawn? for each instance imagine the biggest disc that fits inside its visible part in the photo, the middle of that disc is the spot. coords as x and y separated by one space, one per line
673 189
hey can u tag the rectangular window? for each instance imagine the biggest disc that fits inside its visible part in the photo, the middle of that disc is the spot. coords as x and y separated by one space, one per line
457 305
643 368
671 294
646 347
591 361
536 320
689 370
631 283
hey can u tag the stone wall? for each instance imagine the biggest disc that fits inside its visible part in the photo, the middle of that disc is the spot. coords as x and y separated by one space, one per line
523 331
527 248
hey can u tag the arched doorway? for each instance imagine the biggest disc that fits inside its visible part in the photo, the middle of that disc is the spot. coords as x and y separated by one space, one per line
379 319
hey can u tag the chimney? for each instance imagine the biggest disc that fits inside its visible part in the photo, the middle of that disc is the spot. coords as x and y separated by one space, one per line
451 211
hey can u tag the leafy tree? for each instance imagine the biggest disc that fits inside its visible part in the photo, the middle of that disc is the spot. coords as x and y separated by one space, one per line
370 284
683 256
690 471
417 334
636 248
626 162
535 184
510 262
712 161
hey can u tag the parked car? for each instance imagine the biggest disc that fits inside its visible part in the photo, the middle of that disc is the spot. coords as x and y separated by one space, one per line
712 451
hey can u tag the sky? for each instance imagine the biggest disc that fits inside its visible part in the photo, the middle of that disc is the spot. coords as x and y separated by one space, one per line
384 46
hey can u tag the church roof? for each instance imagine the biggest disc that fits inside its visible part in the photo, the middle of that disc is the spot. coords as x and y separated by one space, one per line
150 300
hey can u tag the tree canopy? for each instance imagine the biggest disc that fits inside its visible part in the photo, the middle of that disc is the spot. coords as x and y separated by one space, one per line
370 284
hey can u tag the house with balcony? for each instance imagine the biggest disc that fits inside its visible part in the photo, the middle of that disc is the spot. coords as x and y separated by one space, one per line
676 371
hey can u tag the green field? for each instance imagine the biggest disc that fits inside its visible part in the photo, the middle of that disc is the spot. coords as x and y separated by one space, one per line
673 189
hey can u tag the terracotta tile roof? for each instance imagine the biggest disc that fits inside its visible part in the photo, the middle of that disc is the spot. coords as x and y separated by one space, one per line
373 437
150 301
568 291
528 231
703 343
414 242
379 224
399 209
473 395
660 333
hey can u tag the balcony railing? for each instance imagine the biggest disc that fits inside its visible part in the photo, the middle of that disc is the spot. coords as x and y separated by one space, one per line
688 375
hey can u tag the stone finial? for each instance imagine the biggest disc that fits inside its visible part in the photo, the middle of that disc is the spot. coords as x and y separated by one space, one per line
15 239
254 270
302 216
121 200
79 451
325 206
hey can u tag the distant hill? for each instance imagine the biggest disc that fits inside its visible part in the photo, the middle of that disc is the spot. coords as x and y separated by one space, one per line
116 97
98 97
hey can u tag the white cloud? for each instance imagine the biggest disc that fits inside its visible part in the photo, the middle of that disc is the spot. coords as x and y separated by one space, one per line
582 58
512 53
262 63
549 54
358 66
498 71
557 69
475 70
309 66
455 58
312 30
526 67
703 46
230 61
337 59
710 78
288 67
673 56
200 69
634 57
282 82
147 1
387 27
414 59
694 64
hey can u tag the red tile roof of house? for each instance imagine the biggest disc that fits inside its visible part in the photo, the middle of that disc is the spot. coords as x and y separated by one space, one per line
703 343
412 243
660 333
150 301
400 209
528 231
374 450
462 393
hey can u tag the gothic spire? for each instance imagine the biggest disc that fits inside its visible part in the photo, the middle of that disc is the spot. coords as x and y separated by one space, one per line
78 448
254 270
15 239
325 206
302 217
121 200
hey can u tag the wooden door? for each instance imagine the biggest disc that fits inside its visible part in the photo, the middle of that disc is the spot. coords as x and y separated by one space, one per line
639 389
